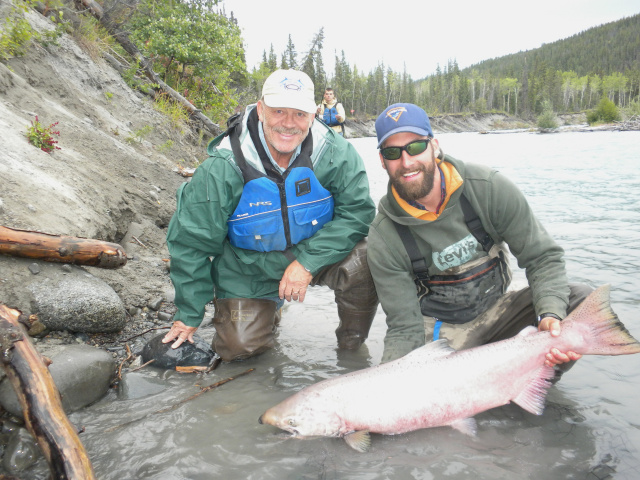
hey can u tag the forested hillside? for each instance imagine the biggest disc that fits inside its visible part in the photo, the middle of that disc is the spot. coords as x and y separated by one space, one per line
604 50
195 48
570 75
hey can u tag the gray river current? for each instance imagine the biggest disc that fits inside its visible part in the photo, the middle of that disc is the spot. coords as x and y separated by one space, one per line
585 188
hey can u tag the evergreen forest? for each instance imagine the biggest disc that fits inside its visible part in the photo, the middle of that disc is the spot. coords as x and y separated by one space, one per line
196 48
569 75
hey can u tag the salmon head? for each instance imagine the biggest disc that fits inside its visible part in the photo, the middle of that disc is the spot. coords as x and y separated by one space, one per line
304 416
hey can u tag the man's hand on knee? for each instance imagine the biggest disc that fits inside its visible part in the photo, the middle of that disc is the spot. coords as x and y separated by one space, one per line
294 282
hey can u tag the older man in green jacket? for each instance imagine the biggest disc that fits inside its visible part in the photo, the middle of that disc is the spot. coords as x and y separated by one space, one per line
286 207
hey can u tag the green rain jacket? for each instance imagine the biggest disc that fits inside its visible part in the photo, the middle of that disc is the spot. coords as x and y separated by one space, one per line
204 263
505 215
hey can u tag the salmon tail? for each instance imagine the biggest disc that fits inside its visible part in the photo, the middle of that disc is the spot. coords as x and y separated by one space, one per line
606 333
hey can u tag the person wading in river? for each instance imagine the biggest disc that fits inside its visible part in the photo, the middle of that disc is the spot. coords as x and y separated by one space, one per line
332 112
444 227
287 207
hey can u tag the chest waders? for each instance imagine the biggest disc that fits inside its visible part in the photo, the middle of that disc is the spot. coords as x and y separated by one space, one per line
461 297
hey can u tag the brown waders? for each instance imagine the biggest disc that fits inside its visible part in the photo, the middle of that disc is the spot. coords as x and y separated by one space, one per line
355 295
246 327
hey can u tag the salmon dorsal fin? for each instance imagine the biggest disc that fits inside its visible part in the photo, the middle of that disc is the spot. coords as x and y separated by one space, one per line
532 397
526 331
359 441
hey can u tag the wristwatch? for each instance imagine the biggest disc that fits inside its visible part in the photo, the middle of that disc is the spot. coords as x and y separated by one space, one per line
544 315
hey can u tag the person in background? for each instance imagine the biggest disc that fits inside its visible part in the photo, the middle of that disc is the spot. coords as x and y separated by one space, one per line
285 208
331 112
437 248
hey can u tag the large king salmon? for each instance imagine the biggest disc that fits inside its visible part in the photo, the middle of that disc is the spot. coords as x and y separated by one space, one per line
435 385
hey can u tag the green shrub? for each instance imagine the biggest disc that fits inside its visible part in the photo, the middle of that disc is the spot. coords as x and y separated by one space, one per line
547 119
606 112
15 35
592 117
139 135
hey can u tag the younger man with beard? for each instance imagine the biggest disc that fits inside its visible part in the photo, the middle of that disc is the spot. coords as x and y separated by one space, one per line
444 227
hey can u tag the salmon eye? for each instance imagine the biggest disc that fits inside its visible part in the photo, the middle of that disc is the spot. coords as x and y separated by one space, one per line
292 422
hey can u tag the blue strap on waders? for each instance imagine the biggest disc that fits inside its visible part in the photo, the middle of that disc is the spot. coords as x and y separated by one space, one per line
436 330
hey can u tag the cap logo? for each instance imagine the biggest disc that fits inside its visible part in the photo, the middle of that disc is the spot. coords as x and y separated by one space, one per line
395 113
291 84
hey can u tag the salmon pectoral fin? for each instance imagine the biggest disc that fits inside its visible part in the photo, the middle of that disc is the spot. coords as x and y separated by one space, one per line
532 397
468 426
359 441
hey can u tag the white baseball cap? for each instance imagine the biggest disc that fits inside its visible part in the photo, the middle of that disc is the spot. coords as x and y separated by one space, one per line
289 89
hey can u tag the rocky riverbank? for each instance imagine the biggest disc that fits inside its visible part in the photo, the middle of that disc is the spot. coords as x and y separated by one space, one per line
357 128
481 123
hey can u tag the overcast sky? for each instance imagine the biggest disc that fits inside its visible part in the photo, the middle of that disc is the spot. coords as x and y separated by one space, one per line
418 34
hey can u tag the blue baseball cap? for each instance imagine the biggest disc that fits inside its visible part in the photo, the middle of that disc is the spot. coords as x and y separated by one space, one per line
402 117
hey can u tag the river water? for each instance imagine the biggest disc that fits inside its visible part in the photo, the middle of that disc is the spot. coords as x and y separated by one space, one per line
585 188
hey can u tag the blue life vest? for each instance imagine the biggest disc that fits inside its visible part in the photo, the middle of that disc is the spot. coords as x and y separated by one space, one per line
329 116
276 211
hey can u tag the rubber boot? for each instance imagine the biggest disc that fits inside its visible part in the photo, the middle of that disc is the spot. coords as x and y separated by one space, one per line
355 294
245 327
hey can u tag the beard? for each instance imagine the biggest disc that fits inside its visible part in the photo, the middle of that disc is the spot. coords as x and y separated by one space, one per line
413 191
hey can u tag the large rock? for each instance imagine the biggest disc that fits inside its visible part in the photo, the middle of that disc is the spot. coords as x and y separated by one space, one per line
82 374
78 303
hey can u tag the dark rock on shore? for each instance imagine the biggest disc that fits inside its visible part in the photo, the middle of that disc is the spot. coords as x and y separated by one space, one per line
198 353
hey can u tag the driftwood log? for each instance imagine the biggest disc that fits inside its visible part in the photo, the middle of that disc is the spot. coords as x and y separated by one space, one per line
61 249
40 400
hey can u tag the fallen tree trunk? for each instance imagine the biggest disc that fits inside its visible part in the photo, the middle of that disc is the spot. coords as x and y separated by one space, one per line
40 400
123 38
61 249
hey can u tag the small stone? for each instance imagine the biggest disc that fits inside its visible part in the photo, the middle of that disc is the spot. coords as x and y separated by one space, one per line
156 303
21 452
82 337
37 329
164 316
34 268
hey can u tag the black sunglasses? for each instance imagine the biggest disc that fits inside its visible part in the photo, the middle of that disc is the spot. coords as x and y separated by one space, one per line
414 148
